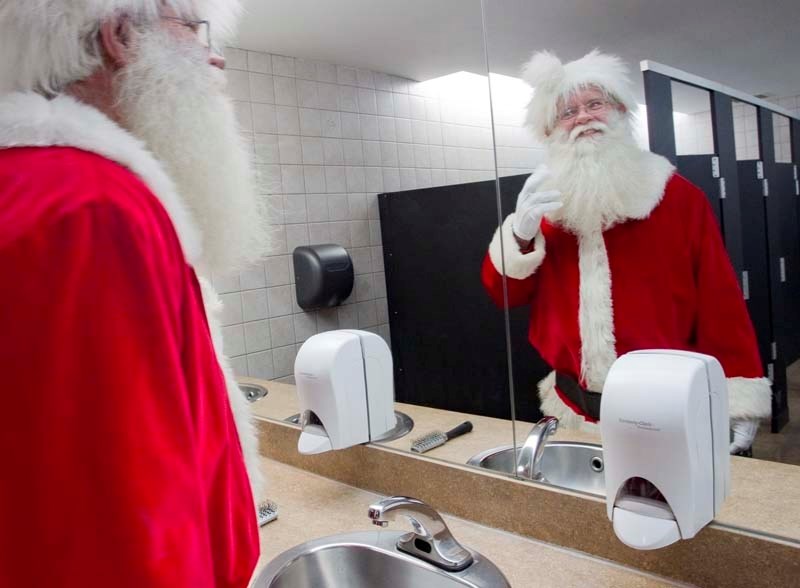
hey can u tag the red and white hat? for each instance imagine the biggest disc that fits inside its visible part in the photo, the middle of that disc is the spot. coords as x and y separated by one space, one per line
553 80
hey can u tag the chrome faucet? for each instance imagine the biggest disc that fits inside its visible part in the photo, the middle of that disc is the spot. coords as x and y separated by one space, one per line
431 540
531 454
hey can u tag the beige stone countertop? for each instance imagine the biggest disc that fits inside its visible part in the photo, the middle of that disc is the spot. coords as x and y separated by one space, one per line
310 507
765 496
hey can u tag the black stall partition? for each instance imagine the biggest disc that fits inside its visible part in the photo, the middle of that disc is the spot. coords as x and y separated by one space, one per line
756 204
448 337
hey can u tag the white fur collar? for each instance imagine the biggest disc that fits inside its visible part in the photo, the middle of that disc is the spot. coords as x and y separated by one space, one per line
30 120
653 172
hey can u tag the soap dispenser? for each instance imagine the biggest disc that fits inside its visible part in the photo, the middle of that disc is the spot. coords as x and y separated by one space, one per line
664 425
345 389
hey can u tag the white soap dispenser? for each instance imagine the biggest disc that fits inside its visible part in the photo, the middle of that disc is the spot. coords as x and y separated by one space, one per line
664 425
345 390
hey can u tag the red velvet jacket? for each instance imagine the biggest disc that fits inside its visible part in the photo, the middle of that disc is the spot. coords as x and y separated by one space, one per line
120 457
671 286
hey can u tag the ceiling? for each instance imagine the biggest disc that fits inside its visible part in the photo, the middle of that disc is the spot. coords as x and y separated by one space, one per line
748 45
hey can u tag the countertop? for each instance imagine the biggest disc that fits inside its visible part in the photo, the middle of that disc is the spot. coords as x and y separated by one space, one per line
310 506
765 496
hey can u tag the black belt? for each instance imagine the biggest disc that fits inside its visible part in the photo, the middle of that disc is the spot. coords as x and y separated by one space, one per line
586 400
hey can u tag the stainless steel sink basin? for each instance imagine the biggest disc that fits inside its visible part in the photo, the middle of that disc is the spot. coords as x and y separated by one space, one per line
369 560
576 466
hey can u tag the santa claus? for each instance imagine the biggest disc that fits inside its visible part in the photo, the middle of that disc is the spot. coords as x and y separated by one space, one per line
122 177
614 251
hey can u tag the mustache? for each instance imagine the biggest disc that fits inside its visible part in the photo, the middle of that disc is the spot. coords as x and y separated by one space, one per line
595 125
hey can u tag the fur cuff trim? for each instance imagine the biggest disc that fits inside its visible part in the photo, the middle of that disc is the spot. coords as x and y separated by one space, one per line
749 398
518 265
248 439
552 405
30 120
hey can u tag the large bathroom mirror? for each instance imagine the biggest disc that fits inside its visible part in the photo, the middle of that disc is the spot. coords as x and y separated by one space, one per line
726 115
371 129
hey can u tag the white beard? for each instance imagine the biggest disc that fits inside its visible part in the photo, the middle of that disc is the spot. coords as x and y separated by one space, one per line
602 177
172 99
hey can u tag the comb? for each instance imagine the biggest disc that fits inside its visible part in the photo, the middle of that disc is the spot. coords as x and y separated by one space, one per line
437 438
267 512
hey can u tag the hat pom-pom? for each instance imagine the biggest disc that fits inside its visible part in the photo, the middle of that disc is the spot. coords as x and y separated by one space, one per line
544 68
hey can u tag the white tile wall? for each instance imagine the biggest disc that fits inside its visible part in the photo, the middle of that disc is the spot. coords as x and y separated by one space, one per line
327 139
693 133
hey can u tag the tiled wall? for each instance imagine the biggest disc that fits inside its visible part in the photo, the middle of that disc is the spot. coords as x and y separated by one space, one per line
693 134
327 139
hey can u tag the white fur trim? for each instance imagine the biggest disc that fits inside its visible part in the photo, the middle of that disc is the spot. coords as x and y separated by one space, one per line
552 405
595 314
518 265
649 176
29 120
552 80
239 405
749 398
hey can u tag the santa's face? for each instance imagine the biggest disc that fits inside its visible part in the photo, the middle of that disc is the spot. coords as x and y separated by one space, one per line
576 114
172 98
594 165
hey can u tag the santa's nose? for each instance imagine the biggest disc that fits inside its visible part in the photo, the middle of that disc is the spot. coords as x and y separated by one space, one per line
216 60
583 117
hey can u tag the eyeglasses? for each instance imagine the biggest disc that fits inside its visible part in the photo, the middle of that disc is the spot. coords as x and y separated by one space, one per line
201 28
595 106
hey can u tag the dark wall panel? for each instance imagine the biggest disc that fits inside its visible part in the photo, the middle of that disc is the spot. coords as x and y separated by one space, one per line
448 338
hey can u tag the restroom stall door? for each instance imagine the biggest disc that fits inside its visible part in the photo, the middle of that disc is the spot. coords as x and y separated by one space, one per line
698 169
754 239
776 252
782 193
761 283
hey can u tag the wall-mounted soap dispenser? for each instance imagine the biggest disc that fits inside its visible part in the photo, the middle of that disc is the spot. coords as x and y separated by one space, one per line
345 388
664 424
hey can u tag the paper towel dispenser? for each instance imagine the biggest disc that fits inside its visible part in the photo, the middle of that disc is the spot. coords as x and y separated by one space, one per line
323 275
664 425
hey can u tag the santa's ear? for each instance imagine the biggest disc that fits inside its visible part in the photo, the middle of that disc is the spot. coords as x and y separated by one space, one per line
621 108
116 37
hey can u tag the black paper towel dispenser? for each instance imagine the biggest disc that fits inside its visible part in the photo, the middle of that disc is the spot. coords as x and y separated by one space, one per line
323 275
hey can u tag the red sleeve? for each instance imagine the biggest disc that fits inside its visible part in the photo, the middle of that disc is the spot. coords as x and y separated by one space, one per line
111 478
724 329
504 257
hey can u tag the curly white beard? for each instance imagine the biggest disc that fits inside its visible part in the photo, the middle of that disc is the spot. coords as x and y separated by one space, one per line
172 99
599 176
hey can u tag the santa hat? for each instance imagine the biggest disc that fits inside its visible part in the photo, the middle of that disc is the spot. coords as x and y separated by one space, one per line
553 80
47 44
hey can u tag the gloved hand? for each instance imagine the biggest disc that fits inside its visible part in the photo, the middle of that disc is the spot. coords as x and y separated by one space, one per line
533 205
744 433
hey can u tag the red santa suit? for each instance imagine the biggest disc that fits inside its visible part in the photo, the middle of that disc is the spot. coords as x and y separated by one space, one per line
661 279
121 458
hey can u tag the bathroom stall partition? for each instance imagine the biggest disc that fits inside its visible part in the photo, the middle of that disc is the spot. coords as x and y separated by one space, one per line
755 202
448 338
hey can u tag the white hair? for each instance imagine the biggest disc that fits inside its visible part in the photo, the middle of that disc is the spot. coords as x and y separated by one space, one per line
47 44
554 81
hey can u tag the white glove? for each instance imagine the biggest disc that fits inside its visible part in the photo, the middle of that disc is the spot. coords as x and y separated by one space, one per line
533 205
744 433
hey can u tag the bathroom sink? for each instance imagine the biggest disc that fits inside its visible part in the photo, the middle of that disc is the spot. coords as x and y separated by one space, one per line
367 560
576 466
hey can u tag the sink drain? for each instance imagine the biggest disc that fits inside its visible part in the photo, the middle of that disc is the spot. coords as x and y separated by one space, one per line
596 464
